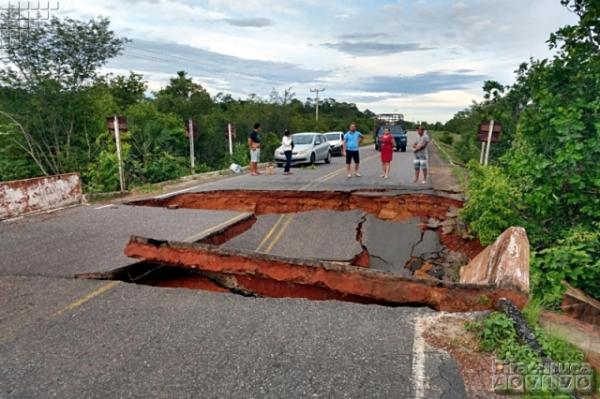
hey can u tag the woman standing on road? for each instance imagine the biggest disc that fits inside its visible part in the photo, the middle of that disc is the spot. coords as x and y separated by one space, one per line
287 145
386 145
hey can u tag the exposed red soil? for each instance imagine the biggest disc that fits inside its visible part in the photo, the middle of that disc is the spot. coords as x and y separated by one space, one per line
261 202
227 233
281 289
471 248
378 286
362 259
385 206
193 282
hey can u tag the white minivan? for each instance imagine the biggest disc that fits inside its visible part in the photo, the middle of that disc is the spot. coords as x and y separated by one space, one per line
335 141
309 148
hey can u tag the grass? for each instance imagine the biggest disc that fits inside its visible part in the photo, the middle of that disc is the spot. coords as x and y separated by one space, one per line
146 188
101 197
532 311
461 175
448 151
368 139
497 335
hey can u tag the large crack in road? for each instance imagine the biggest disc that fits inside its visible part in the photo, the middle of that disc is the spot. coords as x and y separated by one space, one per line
381 272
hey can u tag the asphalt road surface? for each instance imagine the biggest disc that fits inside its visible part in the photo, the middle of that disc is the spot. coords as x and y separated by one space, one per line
70 338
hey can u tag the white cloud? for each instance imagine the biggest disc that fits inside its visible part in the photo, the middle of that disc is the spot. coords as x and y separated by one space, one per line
363 40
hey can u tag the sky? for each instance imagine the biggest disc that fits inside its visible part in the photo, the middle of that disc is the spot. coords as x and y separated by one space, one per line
426 59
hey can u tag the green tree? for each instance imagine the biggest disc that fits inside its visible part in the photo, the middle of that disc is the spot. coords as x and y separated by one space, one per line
66 51
127 90
47 90
547 177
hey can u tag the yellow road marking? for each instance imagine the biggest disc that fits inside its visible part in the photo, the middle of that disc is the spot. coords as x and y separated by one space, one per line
335 172
280 233
291 216
112 284
87 297
234 219
270 232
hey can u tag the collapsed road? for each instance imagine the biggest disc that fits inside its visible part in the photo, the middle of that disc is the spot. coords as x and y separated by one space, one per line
94 338
429 277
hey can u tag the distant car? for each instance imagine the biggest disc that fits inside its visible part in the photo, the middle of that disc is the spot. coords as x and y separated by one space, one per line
335 141
309 148
399 135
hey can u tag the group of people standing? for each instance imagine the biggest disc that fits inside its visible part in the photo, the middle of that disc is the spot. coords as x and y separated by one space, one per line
350 150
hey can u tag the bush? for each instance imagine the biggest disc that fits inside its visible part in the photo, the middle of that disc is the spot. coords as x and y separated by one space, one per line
103 175
575 259
241 155
269 143
166 167
446 138
497 334
493 202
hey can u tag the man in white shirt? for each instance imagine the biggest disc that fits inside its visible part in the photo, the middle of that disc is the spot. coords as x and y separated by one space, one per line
288 146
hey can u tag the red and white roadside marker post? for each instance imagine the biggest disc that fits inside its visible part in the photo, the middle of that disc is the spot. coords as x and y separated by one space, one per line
118 124
230 134
192 153
489 132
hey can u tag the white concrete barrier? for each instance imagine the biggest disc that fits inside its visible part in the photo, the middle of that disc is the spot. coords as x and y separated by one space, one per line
20 197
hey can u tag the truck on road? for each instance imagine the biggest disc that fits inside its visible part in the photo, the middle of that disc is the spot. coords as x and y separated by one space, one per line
399 136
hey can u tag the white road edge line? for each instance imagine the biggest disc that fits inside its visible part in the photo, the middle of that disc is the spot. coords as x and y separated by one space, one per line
103 206
419 351
176 192
212 229
418 357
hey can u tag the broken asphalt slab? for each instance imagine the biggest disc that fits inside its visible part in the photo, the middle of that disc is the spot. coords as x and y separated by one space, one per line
390 243
84 239
366 283
313 235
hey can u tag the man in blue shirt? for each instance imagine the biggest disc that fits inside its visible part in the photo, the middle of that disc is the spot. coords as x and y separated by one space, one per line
350 146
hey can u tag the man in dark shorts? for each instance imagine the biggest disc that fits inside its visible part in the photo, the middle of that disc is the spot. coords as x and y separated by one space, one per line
350 146
254 144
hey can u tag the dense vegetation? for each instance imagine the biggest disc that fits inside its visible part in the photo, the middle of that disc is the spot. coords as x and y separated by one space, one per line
545 174
54 105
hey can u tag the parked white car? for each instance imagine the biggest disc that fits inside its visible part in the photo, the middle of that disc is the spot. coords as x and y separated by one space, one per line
335 141
309 148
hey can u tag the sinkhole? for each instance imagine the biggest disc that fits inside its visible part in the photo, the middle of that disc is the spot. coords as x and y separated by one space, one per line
384 247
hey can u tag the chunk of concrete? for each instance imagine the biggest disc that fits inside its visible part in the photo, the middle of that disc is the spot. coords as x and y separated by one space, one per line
350 281
504 264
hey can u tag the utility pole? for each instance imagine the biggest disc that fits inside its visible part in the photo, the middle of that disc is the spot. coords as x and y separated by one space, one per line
317 108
